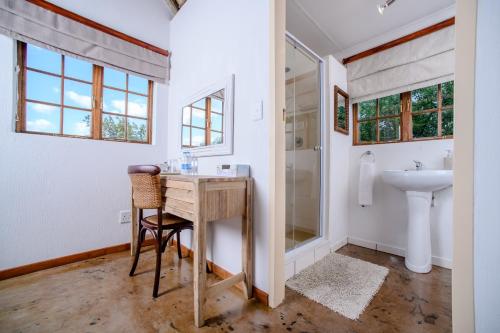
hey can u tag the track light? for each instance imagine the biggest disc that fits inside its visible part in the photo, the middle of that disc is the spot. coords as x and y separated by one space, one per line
386 4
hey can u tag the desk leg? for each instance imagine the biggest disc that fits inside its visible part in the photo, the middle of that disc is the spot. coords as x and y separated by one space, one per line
133 227
247 241
199 260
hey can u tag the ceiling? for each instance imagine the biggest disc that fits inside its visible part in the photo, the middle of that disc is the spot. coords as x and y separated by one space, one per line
343 28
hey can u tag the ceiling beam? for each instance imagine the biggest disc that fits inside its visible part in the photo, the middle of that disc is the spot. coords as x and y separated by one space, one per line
401 40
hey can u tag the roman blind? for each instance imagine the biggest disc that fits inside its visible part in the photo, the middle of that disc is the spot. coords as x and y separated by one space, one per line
419 63
33 24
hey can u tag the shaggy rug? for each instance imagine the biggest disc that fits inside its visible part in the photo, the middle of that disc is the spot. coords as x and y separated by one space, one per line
344 284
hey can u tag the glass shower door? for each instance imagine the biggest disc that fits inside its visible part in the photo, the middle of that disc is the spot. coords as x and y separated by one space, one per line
303 145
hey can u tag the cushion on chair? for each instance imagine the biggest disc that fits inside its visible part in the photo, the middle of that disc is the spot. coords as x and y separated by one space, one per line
167 219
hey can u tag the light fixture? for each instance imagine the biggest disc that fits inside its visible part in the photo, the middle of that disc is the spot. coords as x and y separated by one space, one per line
386 4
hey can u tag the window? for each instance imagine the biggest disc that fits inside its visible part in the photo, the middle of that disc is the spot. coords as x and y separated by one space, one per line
425 113
65 96
202 121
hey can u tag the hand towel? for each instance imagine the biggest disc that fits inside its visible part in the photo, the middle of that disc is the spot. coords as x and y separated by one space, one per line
366 178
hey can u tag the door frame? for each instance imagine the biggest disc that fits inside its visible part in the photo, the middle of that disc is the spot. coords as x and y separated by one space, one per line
324 152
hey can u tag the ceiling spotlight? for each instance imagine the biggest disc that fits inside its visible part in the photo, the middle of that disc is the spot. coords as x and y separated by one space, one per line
386 4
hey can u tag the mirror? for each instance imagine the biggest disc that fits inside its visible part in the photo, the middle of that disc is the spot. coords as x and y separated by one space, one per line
206 124
341 111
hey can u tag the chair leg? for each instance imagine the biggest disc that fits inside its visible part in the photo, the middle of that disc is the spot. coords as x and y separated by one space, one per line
179 252
158 265
140 238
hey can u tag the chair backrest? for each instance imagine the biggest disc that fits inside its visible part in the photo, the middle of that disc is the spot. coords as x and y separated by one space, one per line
146 186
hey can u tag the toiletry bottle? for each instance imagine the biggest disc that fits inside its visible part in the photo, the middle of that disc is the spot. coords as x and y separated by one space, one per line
448 160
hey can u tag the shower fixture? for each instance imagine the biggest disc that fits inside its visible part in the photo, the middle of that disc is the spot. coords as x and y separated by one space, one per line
382 7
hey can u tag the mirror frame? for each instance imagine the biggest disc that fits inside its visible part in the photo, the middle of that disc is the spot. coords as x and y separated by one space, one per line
226 147
336 127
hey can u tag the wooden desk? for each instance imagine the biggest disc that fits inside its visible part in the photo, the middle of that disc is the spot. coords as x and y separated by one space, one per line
202 199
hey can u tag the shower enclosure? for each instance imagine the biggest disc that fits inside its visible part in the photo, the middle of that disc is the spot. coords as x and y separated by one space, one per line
303 132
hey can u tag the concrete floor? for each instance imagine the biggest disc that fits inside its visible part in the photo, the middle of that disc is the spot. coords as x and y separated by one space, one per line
98 296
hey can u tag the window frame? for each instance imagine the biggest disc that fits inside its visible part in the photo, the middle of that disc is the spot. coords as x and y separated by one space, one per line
208 123
406 120
97 111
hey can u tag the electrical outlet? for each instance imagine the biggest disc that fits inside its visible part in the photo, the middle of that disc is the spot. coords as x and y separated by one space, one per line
125 216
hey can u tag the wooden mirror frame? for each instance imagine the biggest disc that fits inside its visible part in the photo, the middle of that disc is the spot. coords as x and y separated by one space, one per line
336 127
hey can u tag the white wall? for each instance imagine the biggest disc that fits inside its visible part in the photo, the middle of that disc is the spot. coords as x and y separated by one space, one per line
385 222
234 40
62 196
486 166
340 146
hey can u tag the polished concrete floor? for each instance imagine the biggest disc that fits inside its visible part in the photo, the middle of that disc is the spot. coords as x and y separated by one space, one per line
98 296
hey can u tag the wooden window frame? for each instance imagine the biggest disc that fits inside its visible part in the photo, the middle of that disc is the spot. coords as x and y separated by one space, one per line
96 110
406 123
208 123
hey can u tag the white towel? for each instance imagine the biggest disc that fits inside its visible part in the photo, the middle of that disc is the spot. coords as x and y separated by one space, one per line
366 177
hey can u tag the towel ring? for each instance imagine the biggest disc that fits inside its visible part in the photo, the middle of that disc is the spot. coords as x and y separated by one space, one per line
368 155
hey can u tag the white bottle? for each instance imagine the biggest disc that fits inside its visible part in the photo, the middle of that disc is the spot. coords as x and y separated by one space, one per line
448 160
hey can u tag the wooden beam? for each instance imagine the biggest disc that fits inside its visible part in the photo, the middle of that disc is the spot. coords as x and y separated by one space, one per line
401 40
95 25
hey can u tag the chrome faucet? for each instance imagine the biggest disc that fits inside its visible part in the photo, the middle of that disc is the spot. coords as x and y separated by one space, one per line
418 165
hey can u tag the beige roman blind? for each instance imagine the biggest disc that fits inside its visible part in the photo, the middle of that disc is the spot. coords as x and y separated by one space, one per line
416 64
30 23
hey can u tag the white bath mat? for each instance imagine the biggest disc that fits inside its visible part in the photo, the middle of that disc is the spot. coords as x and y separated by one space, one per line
344 284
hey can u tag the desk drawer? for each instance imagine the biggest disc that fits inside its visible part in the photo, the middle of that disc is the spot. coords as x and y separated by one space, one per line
179 198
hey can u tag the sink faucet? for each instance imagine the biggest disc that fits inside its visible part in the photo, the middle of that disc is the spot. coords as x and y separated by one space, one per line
418 165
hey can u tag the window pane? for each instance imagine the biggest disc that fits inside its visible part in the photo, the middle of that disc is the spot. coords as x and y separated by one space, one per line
45 88
368 131
447 92
216 121
198 118
185 136
368 109
42 118
424 98
43 59
215 138
186 115
137 130
113 101
216 105
77 69
77 94
113 127
389 105
198 137
137 106
76 122
114 78
389 129
447 120
425 125
200 104
137 84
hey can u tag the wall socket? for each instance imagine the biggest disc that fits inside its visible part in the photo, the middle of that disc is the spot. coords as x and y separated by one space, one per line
125 216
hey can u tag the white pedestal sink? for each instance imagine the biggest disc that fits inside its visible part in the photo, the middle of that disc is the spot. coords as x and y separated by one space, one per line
419 185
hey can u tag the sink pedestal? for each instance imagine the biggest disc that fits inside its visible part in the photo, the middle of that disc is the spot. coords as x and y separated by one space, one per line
418 253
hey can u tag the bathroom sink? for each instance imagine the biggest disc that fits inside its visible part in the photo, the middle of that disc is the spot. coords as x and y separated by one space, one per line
418 186
419 180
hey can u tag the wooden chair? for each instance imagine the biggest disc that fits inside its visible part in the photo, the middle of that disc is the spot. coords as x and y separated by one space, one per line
146 194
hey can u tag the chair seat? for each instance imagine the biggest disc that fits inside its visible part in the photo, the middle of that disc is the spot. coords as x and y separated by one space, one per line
168 220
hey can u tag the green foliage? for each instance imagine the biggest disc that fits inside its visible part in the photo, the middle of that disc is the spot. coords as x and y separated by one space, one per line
389 129
113 127
390 105
424 98
425 125
447 122
341 117
368 131
368 109
447 92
